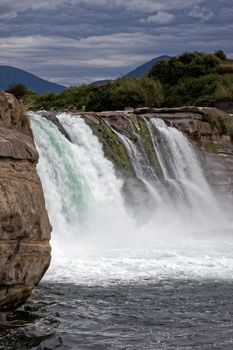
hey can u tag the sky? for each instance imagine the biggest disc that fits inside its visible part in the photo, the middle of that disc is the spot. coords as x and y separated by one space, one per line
73 42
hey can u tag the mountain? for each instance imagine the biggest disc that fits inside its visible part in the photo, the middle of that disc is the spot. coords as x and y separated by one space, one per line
11 75
145 68
138 72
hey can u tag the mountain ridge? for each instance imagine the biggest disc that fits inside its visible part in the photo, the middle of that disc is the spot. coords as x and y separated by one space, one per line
10 75
139 71
144 68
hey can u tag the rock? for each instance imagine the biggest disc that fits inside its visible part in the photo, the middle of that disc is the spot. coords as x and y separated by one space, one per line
182 111
55 121
17 146
12 114
24 225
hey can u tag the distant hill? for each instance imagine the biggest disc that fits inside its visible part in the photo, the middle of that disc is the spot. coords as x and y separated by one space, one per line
101 82
138 72
145 68
11 75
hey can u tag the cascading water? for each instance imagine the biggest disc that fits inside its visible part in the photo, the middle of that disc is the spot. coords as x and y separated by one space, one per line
182 169
141 166
82 192
94 236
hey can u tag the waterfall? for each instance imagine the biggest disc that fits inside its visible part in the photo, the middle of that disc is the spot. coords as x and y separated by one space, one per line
183 183
181 167
141 166
83 194
86 204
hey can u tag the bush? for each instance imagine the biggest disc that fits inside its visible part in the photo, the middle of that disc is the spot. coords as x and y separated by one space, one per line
193 91
189 64
118 94
131 92
224 89
220 54
223 126
19 90
194 78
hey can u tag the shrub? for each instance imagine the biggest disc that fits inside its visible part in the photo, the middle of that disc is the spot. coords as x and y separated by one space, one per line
189 64
224 89
193 91
118 94
223 126
19 90
221 54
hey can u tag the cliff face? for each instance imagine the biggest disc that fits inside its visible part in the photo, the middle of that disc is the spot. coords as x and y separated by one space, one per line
24 225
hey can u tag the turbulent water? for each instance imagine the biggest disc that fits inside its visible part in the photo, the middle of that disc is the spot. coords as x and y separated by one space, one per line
165 283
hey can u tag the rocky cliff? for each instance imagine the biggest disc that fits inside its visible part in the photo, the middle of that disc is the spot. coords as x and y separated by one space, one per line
24 225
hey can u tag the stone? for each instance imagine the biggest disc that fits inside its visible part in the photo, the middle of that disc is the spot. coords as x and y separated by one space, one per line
24 224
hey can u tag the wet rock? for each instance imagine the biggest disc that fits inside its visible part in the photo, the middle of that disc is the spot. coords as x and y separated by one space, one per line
55 121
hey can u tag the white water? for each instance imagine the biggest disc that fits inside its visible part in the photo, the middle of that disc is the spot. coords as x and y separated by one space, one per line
95 240
182 169
141 167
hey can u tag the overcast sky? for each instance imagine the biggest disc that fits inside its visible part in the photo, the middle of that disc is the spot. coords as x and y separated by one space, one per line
79 41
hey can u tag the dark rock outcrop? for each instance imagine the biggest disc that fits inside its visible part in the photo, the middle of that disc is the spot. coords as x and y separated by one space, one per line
24 225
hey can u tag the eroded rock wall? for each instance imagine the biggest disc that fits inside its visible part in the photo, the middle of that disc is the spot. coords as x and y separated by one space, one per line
24 225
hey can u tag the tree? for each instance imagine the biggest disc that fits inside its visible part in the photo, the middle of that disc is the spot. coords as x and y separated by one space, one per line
221 54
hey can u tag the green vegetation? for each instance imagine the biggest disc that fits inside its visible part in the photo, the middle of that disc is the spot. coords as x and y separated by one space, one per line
221 125
19 90
147 145
193 78
114 95
203 91
190 64
113 147
211 148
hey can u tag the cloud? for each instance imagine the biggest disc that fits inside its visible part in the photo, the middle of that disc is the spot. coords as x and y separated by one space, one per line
201 13
160 17
149 6
92 54
8 15
73 41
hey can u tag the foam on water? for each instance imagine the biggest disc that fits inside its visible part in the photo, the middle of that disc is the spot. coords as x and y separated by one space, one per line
96 240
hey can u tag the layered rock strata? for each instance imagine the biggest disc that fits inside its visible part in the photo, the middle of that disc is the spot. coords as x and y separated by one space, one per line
24 225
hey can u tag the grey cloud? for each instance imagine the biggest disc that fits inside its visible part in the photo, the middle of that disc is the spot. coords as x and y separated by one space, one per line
161 17
201 13
76 41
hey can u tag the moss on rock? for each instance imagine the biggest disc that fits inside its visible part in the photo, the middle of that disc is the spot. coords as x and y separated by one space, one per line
113 147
